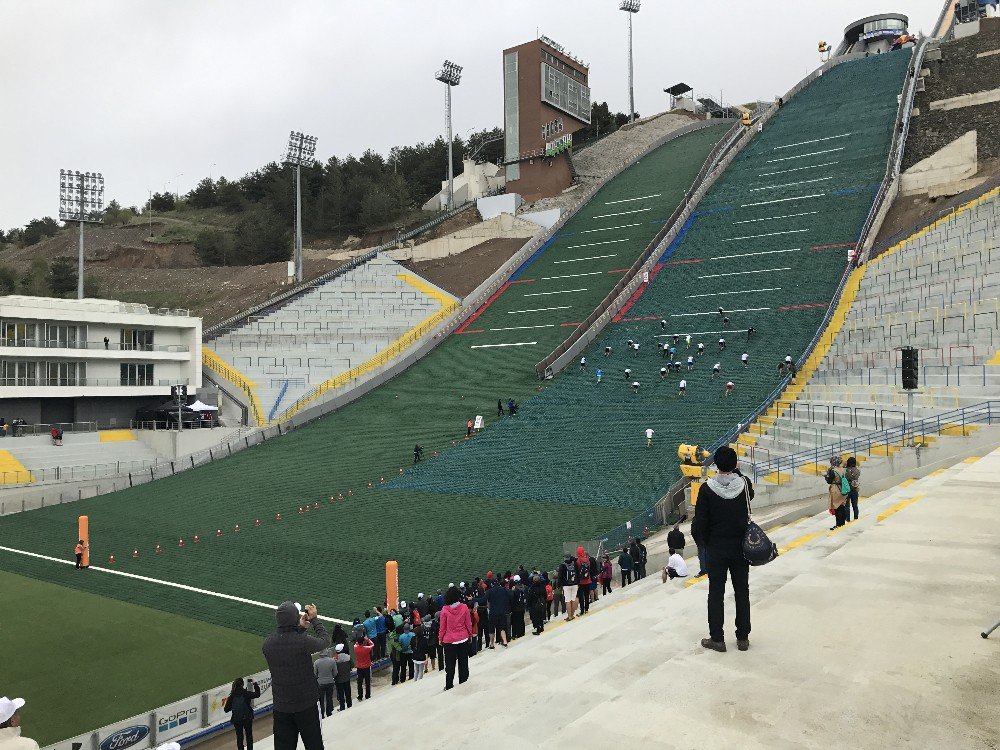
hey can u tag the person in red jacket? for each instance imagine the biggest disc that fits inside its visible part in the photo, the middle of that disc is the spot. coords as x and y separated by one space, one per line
607 573
456 632
363 660
583 591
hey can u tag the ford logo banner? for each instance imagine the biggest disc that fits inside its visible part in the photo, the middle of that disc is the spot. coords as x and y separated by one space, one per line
125 738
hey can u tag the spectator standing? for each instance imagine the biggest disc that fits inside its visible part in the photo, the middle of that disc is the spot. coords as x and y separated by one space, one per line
456 631
537 599
363 663
325 669
499 407
643 558
396 655
649 437
835 478
10 726
433 645
406 641
584 573
418 646
518 606
625 565
498 601
676 540
720 522
569 582
853 473
607 572
288 651
381 633
240 705
343 677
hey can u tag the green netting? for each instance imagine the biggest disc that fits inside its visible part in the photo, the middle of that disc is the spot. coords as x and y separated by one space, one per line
336 554
774 266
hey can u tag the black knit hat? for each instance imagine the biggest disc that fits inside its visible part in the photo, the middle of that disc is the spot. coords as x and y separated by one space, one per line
726 459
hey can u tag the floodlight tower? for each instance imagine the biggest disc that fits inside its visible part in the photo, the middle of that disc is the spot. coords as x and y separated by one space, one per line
301 149
631 7
450 75
81 198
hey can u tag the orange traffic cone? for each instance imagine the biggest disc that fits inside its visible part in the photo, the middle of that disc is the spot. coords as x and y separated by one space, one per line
218 532
256 523
307 509
237 527
135 553
332 500
400 471
195 538
435 454
180 542
278 517
300 510
381 480
158 548
369 485
350 493
111 560
340 495
317 505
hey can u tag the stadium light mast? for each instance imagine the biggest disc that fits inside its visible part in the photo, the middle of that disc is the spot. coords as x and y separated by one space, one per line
81 198
450 75
631 7
301 149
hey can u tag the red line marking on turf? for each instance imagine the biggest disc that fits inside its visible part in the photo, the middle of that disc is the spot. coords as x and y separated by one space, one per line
638 293
684 262
619 270
482 309
828 247
474 330
804 307
521 281
644 317
564 325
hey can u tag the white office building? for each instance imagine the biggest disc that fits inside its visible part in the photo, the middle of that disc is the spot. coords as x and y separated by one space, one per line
64 360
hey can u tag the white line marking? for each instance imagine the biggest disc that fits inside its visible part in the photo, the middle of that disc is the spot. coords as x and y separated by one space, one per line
700 333
798 169
608 229
524 328
741 291
539 309
563 291
590 257
803 156
768 234
595 244
572 275
814 140
762 252
790 184
160 582
623 213
773 218
783 200
494 346
716 312
627 200
743 273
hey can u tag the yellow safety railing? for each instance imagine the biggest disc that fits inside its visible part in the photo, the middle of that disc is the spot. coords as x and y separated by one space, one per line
216 364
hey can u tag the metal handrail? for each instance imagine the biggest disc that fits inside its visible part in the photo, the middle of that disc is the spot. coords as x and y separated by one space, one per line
893 436
95 345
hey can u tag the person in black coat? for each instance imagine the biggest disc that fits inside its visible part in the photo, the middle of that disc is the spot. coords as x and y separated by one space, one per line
676 540
240 705
720 522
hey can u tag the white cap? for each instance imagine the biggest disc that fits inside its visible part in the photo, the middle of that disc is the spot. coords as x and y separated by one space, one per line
340 647
297 606
517 578
8 707
451 585
420 595
402 604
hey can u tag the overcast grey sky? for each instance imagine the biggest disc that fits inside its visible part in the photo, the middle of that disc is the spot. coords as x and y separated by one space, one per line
146 90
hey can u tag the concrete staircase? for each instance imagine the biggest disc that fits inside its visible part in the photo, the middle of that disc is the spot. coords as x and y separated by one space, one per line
853 629
83 455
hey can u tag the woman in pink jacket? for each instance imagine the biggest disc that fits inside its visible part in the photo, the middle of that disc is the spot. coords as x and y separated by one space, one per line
456 631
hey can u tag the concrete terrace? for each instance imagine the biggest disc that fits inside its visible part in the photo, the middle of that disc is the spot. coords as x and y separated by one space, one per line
867 637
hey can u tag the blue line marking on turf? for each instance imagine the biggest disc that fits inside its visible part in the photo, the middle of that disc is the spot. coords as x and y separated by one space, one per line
659 221
672 248
517 274
564 234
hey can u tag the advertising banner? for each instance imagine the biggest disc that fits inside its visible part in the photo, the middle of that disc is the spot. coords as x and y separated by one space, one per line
132 734
83 742
178 718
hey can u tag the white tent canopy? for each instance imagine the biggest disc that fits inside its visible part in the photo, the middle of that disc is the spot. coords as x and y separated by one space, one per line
202 406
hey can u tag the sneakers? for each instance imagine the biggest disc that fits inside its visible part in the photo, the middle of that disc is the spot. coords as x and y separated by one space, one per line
743 645
719 646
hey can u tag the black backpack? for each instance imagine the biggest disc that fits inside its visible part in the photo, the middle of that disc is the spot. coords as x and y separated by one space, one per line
520 596
569 578
584 570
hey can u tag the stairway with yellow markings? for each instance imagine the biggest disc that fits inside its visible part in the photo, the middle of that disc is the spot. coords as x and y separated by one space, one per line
13 471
